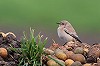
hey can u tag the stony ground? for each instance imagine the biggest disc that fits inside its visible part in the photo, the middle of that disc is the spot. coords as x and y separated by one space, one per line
7 42
71 52
85 54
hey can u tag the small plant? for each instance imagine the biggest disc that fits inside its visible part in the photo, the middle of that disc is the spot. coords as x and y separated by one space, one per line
32 51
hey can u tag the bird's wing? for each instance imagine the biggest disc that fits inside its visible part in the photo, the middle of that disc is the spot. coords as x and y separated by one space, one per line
70 29
77 38
74 36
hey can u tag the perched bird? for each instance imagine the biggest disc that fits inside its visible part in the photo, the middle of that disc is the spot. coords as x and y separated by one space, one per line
66 32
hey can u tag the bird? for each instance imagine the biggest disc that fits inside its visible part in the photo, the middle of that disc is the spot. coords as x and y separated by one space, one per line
66 32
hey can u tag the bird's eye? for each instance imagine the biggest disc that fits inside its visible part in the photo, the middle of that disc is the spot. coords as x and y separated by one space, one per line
62 23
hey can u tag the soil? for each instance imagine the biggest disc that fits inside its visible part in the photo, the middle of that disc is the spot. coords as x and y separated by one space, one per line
10 41
12 57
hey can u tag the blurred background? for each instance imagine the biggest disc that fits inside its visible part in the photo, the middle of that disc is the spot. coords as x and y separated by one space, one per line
42 15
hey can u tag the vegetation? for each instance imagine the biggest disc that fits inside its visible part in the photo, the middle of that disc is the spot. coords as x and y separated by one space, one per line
32 50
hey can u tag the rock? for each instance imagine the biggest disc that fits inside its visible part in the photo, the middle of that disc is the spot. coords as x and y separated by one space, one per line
1 59
69 53
94 64
60 54
1 40
2 63
54 46
10 37
76 63
48 51
10 64
79 50
78 57
94 53
69 62
87 64
98 61
52 63
16 56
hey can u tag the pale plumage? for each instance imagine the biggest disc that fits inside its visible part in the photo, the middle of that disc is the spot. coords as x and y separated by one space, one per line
66 32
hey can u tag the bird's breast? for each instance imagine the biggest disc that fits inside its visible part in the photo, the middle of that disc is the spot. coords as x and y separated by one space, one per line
64 36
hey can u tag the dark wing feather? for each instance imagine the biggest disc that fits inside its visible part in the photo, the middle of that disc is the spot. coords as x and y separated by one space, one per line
77 38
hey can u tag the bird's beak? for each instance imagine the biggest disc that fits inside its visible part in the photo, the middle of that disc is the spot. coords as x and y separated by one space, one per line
58 23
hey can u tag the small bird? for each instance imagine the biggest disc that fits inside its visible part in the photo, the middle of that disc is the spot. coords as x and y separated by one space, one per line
66 32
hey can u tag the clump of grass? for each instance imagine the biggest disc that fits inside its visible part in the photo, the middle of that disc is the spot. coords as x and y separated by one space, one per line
32 51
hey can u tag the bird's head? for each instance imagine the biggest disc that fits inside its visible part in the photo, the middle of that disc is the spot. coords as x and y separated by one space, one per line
63 23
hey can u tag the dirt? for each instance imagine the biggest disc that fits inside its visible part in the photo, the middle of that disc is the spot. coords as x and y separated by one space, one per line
8 41
12 57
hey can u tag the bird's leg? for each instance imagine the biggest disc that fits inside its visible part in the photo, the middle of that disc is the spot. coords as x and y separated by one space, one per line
75 41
